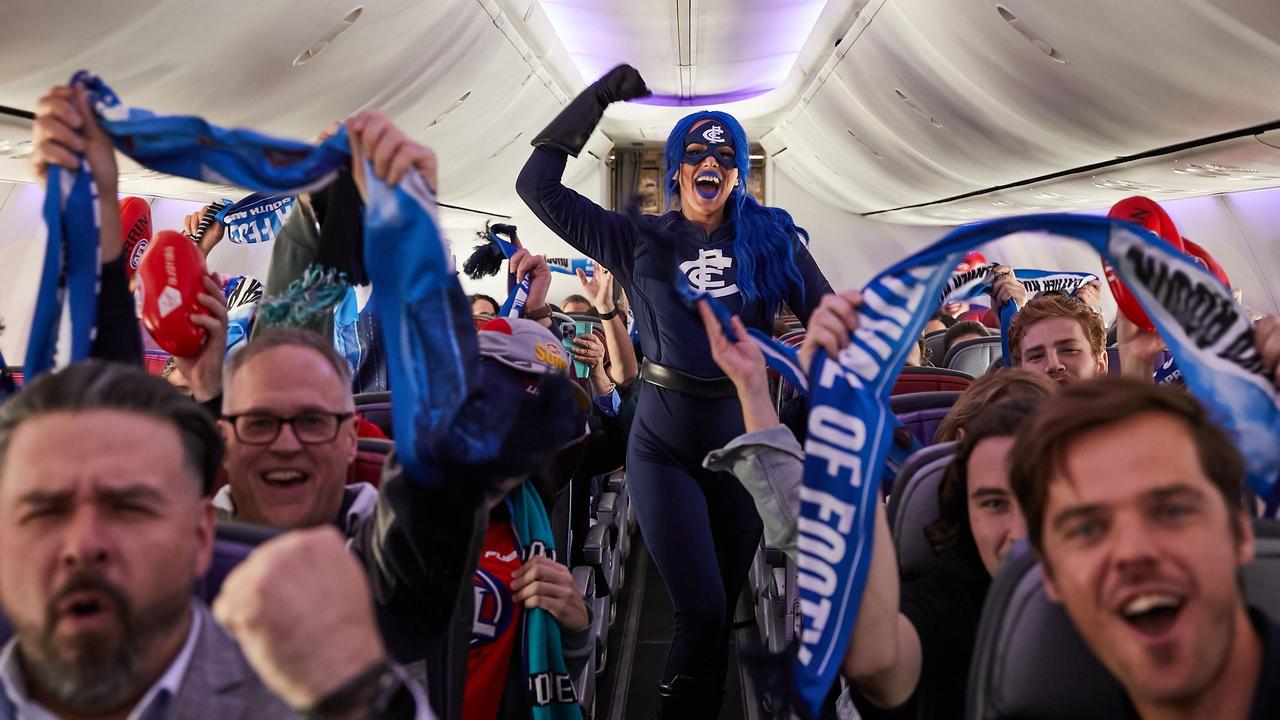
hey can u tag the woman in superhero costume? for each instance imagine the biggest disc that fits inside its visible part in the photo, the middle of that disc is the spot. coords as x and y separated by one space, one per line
701 527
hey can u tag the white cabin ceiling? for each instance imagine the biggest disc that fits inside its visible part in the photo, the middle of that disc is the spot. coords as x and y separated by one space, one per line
883 104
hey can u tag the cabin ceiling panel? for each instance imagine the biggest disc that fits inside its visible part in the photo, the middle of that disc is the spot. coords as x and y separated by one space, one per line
995 93
442 71
1230 166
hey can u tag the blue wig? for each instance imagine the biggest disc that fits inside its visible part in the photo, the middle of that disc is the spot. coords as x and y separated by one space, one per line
764 236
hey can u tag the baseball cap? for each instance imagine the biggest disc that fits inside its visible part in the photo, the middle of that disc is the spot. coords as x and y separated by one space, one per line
522 345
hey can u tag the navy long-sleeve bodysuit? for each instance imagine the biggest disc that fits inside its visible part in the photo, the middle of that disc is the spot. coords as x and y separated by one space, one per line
701 527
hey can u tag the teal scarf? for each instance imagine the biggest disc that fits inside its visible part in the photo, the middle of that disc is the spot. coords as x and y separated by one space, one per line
551 692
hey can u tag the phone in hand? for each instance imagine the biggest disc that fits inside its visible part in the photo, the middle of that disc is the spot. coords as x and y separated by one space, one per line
569 331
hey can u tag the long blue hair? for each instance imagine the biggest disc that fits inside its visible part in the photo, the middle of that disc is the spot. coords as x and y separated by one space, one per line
764 237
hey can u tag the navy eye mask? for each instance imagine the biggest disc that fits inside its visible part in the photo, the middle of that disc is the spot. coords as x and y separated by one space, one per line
717 139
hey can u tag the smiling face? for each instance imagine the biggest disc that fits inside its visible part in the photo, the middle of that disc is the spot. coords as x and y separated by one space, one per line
103 531
287 483
1142 550
994 517
1059 348
708 171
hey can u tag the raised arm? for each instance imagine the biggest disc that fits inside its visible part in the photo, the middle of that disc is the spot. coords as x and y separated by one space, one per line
623 367
65 129
884 657
604 236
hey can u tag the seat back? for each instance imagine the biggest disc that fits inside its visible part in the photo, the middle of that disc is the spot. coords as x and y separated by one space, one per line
376 408
935 346
371 453
913 505
1029 661
232 544
929 379
914 462
921 413
974 355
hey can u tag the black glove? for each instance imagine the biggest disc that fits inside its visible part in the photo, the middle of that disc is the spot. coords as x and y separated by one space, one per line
571 128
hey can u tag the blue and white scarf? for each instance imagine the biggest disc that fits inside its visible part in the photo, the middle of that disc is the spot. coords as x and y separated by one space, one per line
850 427
413 282
256 218
977 282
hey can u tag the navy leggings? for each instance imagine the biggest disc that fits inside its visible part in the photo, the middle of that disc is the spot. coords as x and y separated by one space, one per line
701 527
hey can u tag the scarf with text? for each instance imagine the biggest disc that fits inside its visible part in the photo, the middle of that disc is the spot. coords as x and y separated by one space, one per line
427 332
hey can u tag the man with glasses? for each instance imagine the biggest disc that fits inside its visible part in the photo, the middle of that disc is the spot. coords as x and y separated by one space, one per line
290 435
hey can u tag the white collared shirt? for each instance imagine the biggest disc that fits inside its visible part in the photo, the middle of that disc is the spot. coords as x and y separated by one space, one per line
150 707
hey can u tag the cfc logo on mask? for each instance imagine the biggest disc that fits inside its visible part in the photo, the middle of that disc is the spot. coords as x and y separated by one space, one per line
713 134
705 273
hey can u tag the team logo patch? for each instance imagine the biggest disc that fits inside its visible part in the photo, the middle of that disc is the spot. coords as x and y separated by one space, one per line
713 134
705 273
492 609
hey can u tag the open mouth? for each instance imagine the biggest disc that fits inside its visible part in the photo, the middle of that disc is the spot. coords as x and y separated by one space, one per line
84 605
1152 614
707 184
285 478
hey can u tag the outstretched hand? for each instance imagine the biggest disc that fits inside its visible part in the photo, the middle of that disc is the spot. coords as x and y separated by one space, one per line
203 371
64 129
390 152
525 263
1007 287
830 325
740 360
623 83
598 288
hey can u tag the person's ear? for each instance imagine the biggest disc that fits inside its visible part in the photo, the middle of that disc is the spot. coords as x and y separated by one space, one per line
1245 545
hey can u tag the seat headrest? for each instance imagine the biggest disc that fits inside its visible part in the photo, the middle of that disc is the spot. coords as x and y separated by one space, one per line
913 505
975 355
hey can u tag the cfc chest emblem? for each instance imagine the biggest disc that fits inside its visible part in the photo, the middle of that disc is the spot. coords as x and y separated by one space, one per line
706 274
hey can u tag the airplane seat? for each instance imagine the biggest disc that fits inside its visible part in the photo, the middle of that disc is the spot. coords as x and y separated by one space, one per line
973 356
921 413
917 460
912 507
1029 661
371 453
934 343
376 408
154 361
233 542
929 379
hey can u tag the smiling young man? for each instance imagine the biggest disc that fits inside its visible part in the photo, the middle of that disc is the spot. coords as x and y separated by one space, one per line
1061 337
1133 501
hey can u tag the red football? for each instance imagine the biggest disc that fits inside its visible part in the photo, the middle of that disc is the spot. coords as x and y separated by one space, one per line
169 277
135 230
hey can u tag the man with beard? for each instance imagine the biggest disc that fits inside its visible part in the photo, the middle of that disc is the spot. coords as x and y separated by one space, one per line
104 529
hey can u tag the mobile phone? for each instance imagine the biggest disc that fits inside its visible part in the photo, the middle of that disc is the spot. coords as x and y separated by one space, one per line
569 331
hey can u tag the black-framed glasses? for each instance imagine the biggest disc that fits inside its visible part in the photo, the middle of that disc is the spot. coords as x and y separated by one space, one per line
311 428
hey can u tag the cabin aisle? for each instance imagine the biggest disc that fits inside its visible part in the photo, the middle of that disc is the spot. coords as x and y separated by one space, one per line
638 647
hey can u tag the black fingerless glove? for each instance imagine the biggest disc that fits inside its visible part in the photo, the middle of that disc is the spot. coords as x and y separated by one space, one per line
570 129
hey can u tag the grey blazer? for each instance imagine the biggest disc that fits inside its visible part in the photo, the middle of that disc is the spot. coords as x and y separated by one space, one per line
220 684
